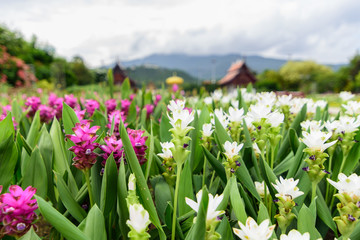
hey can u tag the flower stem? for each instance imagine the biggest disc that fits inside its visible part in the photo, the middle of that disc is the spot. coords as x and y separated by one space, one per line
178 173
204 170
87 178
313 193
272 158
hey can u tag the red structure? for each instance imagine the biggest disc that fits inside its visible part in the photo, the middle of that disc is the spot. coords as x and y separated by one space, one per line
238 75
120 76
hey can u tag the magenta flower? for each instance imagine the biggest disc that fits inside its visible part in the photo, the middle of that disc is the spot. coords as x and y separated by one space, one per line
80 114
112 146
56 103
6 109
91 105
149 109
175 87
132 96
110 105
125 104
71 101
138 143
84 137
33 103
17 210
157 99
116 115
46 113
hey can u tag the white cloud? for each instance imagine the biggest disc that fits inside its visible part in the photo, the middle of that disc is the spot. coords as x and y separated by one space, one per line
101 30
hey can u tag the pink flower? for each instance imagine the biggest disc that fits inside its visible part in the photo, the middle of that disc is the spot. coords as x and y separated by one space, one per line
125 104
175 87
17 210
56 103
112 146
46 113
71 101
34 103
5 109
84 137
138 143
116 115
132 96
149 109
91 105
110 105
80 114
157 99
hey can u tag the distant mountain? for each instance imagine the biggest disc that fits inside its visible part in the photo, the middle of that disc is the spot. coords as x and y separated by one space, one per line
156 75
204 67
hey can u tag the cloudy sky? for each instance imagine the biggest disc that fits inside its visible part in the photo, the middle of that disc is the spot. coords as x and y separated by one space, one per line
327 31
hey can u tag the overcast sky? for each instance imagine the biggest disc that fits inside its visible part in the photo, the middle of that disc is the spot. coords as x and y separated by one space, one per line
327 31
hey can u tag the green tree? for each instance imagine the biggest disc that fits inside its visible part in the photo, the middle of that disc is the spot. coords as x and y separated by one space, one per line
82 73
302 75
269 80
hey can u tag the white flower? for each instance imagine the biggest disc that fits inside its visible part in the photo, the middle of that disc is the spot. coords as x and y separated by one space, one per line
181 119
295 235
266 98
287 189
312 125
320 103
315 140
139 218
214 202
348 185
235 114
346 96
225 99
176 106
166 154
217 95
132 182
283 100
258 112
352 108
260 188
208 100
347 124
219 113
331 126
253 231
235 103
207 130
232 149
275 118
296 105
256 148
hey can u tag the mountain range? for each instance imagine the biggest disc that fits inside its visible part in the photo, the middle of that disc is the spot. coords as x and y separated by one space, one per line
208 67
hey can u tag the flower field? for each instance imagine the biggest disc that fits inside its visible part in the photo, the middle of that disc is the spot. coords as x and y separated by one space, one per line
230 164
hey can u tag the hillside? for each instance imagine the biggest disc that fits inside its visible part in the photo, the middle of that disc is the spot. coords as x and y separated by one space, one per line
202 67
157 75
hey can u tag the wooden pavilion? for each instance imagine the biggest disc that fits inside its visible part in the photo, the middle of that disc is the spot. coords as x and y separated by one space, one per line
119 76
238 75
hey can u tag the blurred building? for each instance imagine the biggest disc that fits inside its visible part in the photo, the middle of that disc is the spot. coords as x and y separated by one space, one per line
238 75
119 76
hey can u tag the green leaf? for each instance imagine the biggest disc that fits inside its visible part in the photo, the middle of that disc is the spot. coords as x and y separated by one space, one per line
99 120
110 78
224 229
35 174
198 230
306 223
165 134
8 159
221 133
131 117
168 221
69 119
32 139
123 212
162 196
297 161
95 224
125 89
218 167
324 212
263 213
140 180
236 201
6 128
30 235
185 189
67 199
109 186
195 149
352 159
294 141
244 177
57 220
